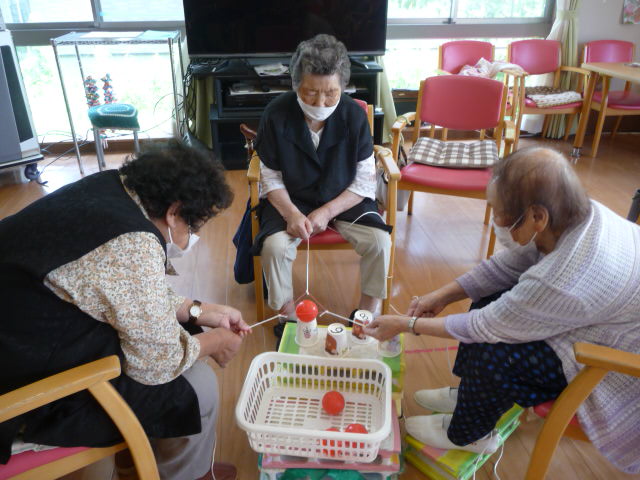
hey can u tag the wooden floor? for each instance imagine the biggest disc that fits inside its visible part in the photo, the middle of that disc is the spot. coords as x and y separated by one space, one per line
442 239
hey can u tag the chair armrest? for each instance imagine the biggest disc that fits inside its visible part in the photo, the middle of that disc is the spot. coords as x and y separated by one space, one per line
57 386
402 121
253 172
582 71
514 73
608 358
388 163
439 71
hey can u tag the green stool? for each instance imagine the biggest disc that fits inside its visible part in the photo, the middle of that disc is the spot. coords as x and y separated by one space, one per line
113 116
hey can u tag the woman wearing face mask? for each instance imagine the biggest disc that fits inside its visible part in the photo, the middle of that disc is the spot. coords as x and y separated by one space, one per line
82 276
318 172
570 272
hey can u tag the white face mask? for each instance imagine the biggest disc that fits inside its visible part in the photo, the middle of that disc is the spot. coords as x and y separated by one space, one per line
319 114
503 234
174 251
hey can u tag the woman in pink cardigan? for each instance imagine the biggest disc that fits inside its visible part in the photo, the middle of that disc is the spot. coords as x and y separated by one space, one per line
570 273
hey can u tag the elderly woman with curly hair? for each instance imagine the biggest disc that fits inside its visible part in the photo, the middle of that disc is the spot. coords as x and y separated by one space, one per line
570 273
318 172
82 276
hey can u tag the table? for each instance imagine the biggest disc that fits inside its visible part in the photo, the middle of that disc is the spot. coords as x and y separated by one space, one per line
77 39
607 71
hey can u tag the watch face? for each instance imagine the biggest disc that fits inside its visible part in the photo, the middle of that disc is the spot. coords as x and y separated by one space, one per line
195 310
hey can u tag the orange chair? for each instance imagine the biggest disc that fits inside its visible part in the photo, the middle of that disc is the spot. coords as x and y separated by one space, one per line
598 361
538 57
459 103
329 239
617 103
54 463
452 56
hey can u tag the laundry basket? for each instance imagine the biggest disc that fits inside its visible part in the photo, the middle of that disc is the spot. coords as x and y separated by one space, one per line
280 406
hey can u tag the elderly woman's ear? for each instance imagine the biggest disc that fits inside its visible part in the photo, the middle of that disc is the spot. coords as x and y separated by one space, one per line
540 216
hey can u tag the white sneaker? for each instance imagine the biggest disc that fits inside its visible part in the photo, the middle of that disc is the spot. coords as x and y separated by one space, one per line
441 400
432 430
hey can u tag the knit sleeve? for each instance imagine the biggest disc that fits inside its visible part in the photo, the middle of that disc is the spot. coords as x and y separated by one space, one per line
498 273
532 310
123 283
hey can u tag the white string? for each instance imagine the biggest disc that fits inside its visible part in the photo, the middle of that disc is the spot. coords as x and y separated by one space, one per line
395 309
341 317
213 456
307 290
495 465
267 320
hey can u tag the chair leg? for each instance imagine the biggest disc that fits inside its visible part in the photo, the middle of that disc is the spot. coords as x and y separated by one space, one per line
616 126
545 125
99 150
136 144
492 242
568 125
487 214
259 288
410 204
597 133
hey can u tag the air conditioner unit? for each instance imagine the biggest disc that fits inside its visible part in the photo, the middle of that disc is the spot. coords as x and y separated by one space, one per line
18 139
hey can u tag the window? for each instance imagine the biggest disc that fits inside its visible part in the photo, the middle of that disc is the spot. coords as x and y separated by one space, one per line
141 10
46 11
454 11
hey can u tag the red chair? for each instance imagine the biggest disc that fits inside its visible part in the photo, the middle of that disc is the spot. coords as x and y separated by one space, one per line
452 56
57 462
617 103
329 239
459 103
537 57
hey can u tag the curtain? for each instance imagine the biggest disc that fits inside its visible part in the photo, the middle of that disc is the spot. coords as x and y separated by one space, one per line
385 100
565 29
200 97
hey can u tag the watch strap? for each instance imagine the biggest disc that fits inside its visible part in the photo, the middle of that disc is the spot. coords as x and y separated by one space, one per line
412 325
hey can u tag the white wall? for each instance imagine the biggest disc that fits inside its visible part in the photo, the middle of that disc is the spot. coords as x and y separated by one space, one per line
602 20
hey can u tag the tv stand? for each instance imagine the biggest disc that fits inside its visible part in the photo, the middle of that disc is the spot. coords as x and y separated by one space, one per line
241 95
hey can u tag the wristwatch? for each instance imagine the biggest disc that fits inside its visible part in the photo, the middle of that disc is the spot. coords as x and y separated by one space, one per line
412 325
194 311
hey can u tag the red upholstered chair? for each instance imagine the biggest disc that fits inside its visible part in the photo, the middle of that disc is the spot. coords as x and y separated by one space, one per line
459 103
616 103
329 239
452 56
537 57
54 463
560 415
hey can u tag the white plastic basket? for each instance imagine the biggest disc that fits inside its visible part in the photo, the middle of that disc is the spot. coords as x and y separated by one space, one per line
280 406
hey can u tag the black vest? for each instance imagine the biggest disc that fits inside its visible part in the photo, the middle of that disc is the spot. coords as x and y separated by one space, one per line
41 334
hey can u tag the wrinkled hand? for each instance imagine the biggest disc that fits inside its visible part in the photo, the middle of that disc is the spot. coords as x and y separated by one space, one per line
229 318
299 226
385 327
319 219
227 345
428 305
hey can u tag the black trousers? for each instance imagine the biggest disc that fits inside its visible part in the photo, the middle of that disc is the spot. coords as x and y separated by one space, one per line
494 376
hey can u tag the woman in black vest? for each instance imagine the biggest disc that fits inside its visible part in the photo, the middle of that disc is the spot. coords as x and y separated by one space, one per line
82 276
317 172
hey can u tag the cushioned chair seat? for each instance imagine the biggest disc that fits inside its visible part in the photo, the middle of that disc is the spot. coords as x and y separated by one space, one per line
543 410
24 461
620 99
328 237
530 103
115 116
471 179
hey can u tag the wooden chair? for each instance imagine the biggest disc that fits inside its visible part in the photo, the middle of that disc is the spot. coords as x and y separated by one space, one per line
329 239
537 57
617 103
452 56
54 463
598 361
458 103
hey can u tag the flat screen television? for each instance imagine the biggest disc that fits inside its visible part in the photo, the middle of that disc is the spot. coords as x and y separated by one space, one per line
272 28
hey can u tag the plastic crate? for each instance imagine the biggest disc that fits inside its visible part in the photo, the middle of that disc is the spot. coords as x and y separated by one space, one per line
280 406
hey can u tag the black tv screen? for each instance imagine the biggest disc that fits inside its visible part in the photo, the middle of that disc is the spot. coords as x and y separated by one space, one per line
241 28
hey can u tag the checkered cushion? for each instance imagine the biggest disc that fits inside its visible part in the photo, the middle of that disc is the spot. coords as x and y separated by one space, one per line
551 97
429 151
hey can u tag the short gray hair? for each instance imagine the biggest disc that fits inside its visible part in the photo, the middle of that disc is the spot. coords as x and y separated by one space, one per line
541 176
320 55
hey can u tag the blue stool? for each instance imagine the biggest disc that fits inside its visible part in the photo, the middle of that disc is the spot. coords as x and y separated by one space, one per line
113 116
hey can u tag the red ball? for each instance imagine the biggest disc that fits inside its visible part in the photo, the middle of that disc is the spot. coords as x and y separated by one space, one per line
306 311
333 402
331 443
356 428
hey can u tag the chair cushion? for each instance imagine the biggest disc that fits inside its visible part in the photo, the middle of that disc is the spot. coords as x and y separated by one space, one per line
24 461
446 178
620 99
544 409
548 97
328 237
114 115
429 151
